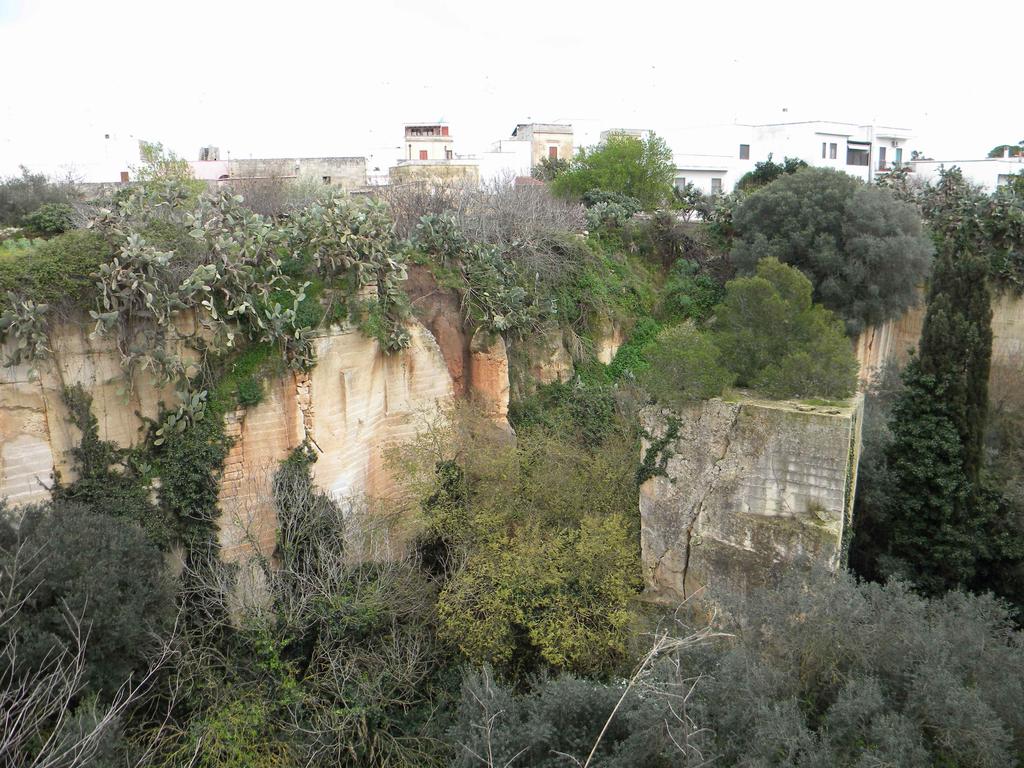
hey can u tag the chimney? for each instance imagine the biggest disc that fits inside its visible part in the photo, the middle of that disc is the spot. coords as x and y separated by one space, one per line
1006 151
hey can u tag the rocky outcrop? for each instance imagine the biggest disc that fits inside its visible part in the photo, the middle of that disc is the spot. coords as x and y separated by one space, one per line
355 403
893 341
748 488
489 383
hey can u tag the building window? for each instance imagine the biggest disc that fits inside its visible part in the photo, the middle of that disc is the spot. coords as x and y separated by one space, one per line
833 150
447 154
857 156
552 153
124 177
823 150
327 179
423 154
744 151
680 182
716 186
898 160
881 158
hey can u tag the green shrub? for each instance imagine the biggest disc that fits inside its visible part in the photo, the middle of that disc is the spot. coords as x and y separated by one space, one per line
864 251
22 194
816 672
833 672
684 365
545 532
629 360
688 294
58 272
776 340
625 165
51 219
586 409
109 479
83 564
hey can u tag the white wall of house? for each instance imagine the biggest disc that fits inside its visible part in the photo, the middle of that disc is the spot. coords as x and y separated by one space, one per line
989 172
507 159
802 140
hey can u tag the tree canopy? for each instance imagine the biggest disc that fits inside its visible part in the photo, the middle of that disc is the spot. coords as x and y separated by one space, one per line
640 168
865 252
767 171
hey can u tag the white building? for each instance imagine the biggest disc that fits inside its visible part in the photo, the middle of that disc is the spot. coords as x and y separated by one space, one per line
428 141
714 158
988 172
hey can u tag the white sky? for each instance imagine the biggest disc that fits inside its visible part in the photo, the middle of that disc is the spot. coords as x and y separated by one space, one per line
301 78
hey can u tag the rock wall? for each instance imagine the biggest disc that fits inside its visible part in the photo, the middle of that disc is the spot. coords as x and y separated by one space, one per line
892 341
354 404
749 488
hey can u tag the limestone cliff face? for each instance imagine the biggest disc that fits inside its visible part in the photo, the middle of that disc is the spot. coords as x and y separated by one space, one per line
749 487
35 433
351 406
892 341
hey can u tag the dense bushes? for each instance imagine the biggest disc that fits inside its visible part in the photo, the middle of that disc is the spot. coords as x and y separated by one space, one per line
21 195
51 219
58 271
766 334
819 672
684 365
535 542
84 575
864 251
626 165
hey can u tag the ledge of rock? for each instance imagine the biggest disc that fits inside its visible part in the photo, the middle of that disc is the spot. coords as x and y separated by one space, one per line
749 488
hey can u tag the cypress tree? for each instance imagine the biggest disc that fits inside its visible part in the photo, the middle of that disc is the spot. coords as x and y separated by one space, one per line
937 509
956 345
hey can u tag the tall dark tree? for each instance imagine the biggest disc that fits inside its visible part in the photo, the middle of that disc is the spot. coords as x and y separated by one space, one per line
956 344
938 512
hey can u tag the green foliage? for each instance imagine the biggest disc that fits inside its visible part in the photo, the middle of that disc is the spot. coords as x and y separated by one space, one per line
640 168
586 410
489 284
832 672
662 238
684 365
1006 150
777 341
549 168
20 195
18 247
110 480
340 665
162 169
537 547
58 272
863 250
630 359
766 172
189 462
688 293
990 224
562 717
51 219
76 565
655 461
941 525
557 598
819 672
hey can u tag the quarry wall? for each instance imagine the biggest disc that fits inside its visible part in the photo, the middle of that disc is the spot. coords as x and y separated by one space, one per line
354 404
749 488
892 341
